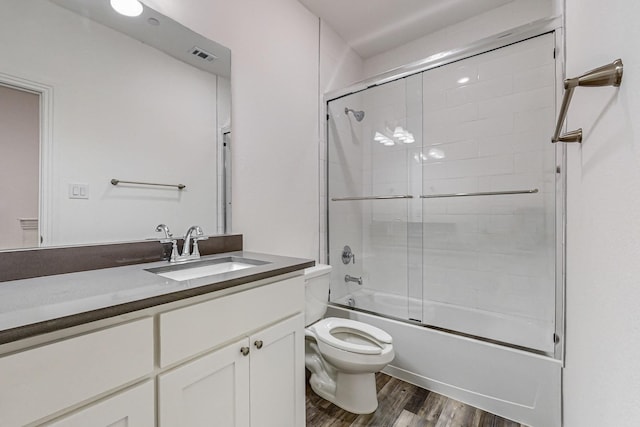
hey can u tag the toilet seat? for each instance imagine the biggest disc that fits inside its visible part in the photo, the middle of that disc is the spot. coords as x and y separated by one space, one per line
325 328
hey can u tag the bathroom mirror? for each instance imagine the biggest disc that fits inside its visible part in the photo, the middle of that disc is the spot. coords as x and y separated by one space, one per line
88 96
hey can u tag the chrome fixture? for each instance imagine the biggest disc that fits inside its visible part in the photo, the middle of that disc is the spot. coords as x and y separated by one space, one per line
194 234
359 115
168 238
486 193
399 196
190 236
347 255
165 229
607 75
119 181
357 280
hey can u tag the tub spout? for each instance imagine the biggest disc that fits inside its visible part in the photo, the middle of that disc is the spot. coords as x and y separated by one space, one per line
357 280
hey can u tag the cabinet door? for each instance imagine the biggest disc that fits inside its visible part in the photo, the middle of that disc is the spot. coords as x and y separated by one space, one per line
277 375
130 408
210 391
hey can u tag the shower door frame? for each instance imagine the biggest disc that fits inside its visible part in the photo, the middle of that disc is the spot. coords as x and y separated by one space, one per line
537 28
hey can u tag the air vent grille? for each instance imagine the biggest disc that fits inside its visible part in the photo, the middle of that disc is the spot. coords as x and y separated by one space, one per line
202 54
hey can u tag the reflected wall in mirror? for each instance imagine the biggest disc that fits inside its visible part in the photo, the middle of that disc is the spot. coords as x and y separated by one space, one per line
90 95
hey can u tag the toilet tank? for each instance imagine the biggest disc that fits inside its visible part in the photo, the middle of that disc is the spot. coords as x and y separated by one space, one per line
316 287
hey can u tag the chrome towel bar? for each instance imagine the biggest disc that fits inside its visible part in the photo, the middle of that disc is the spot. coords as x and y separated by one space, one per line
119 181
399 196
484 193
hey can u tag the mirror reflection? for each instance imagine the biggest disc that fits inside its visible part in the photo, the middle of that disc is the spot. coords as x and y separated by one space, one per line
88 96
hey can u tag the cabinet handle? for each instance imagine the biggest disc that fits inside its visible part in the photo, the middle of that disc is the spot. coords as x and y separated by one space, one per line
244 351
258 344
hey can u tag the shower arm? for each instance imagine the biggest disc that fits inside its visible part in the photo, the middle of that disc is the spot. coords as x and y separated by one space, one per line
607 75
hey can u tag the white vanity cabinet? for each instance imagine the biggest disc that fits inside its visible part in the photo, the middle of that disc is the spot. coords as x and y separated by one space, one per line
232 358
256 381
277 389
45 380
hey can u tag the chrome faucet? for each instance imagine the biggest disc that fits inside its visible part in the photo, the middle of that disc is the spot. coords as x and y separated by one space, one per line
186 248
167 233
189 250
194 234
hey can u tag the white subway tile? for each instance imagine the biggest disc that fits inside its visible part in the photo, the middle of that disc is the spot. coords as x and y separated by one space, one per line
535 78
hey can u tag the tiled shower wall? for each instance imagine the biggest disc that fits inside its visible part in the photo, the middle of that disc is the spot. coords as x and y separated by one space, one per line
345 163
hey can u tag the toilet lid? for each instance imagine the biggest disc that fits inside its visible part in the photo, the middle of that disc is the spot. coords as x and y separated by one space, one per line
326 328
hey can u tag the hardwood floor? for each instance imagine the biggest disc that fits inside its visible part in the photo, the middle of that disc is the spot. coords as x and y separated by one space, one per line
402 405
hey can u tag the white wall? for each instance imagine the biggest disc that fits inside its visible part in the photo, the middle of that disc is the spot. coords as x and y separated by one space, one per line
274 78
602 374
116 116
516 13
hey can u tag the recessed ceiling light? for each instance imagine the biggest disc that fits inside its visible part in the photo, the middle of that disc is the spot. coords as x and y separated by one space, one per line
127 7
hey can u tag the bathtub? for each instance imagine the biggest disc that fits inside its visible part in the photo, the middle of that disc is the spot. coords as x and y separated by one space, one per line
519 385
516 330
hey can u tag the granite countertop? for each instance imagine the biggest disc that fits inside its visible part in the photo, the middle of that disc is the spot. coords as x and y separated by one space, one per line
31 307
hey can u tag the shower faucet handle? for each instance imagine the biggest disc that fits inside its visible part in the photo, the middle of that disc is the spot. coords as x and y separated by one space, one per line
348 255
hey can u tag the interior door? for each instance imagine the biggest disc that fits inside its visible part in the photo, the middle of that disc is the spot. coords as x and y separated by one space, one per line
19 167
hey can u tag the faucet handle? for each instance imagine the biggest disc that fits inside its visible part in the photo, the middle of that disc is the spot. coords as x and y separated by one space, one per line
196 250
167 233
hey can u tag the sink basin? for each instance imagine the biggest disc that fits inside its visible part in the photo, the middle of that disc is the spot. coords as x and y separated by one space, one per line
204 268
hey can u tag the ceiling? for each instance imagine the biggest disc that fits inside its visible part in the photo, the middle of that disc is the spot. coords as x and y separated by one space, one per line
371 27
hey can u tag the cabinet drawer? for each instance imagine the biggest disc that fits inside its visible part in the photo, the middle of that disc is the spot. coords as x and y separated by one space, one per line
191 330
131 408
39 382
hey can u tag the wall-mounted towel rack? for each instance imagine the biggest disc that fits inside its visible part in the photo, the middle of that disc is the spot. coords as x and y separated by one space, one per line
119 181
607 75
484 193
398 196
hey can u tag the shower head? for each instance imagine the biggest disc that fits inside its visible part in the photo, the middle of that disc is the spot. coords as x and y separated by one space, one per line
359 115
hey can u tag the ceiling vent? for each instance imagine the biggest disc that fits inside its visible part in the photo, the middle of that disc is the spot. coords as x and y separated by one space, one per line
202 54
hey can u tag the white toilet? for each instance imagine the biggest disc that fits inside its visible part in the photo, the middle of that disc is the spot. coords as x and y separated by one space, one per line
343 355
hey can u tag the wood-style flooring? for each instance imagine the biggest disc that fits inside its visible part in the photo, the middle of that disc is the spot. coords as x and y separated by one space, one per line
401 404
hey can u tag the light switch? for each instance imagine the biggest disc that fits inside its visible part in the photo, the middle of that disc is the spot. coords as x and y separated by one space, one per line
78 191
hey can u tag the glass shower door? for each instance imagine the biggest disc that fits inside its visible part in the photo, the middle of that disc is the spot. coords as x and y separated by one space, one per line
489 195
373 140
445 197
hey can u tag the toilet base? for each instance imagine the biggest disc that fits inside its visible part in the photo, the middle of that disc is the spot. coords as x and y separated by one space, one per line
355 393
